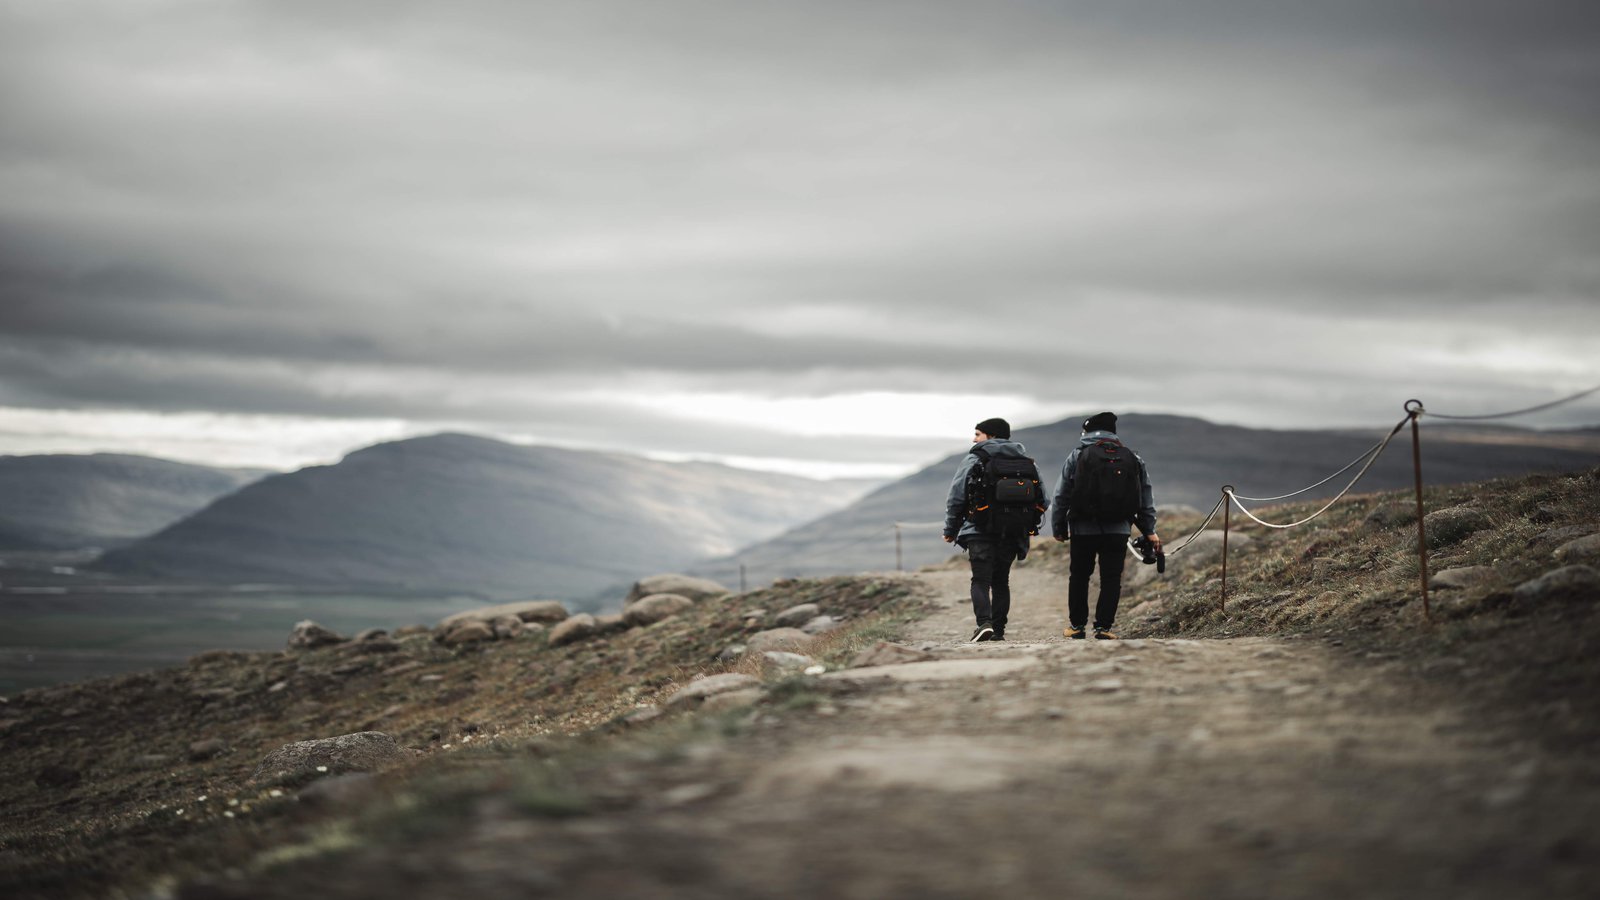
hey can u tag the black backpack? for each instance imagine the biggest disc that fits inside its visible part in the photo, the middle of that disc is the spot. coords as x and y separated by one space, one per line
1106 487
1004 496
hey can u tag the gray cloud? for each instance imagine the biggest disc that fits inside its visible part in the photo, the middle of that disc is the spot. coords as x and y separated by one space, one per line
407 210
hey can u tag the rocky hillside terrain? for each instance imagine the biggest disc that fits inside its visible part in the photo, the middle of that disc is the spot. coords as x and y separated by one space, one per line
1190 459
1321 737
67 502
464 513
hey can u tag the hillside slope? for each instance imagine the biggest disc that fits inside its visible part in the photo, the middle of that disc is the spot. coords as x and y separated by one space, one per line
465 513
65 502
1189 459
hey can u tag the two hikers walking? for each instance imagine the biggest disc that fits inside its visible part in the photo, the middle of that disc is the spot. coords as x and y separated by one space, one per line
995 505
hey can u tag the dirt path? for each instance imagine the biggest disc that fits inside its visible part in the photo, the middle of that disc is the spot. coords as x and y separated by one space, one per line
1047 768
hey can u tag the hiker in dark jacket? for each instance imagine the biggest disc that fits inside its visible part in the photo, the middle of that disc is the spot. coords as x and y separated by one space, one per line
1095 539
991 555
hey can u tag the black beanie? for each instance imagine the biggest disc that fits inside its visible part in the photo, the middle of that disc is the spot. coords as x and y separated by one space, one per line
1106 421
995 428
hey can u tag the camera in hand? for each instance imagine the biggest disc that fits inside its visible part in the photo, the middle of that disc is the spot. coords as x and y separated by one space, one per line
1148 553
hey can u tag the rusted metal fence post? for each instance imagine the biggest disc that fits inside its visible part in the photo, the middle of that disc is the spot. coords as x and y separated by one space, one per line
1227 510
898 566
1415 410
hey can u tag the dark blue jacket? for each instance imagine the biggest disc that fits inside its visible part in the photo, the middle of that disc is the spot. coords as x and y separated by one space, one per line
955 505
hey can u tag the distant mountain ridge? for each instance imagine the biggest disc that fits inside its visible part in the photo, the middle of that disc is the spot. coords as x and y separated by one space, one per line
1189 459
70 501
465 513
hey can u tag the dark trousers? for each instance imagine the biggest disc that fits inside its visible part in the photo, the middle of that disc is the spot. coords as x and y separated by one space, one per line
991 580
1110 551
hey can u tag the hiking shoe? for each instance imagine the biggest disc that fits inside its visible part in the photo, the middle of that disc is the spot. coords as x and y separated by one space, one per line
1073 631
998 635
982 633
1104 634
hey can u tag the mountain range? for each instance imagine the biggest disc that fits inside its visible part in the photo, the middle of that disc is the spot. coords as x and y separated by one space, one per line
67 502
456 512
1188 459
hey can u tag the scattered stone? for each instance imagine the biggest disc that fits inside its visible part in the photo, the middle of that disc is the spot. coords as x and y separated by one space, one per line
788 662
403 668
821 625
1566 583
795 616
371 634
1461 577
1444 527
610 623
641 716
686 794
1391 515
654 608
207 749
340 790
777 639
1584 548
731 653
470 632
409 630
429 679
363 751
372 645
885 653
308 635
545 611
58 777
696 589
697 691
576 628
506 627
731 700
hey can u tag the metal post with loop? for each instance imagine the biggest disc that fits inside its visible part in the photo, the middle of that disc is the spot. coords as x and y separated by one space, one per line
1227 517
1415 410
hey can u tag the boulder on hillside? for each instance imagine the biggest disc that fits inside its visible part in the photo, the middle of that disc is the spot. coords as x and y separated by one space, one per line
696 589
576 628
1460 577
308 635
696 692
364 751
609 623
822 625
546 611
467 633
795 616
787 662
1451 525
506 627
1584 548
777 639
1566 583
652 609
370 634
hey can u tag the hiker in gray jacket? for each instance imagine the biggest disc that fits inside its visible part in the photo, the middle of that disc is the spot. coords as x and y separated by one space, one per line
991 554
1100 533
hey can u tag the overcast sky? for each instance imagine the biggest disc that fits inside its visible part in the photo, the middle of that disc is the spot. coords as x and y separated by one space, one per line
815 236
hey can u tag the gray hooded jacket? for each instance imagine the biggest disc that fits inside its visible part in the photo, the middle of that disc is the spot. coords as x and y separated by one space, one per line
955 505
1065 524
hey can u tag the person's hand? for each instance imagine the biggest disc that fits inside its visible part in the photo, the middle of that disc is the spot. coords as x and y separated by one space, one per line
1155 542
949 539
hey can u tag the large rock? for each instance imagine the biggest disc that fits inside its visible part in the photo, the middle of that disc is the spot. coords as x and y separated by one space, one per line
1584 548
308 635
696 692
884 653
610 623
695 589
795 616
654 608
1452 525
546 611
507 627
787 662
468 633
821 625
777 639
576 628
1461 577
1566 583
364 751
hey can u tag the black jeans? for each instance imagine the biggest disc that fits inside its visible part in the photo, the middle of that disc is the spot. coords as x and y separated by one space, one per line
991 580
1110 551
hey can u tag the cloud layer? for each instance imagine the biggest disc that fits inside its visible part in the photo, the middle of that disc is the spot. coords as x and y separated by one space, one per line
532 219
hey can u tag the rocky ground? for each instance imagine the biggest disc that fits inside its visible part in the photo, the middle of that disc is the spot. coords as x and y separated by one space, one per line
1300 745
